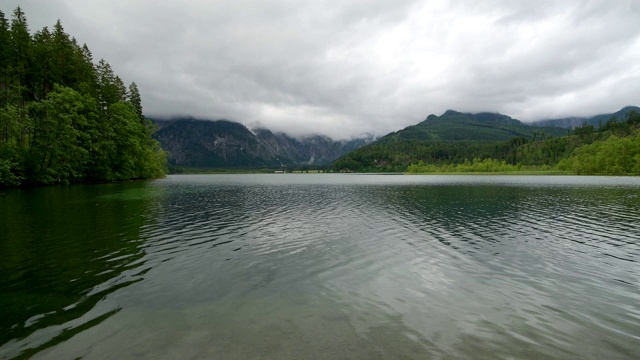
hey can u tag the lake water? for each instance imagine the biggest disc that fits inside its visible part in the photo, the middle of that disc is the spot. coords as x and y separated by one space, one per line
323 266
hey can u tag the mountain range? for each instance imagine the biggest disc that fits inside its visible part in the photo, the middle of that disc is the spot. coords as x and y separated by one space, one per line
456 138
571 122
457 126
222 144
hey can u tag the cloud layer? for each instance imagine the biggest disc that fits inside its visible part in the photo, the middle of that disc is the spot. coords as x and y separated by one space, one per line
343 68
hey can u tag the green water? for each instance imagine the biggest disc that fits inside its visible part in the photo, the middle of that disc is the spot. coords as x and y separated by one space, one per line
323 266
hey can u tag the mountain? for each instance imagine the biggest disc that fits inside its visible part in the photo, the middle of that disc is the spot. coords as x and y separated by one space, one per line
572 122
457 126
226 144
451 137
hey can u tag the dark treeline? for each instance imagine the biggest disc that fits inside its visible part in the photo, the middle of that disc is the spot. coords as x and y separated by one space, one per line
397 156
64 119
611 148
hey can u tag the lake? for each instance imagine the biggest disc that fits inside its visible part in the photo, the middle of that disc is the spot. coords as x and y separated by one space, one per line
324 266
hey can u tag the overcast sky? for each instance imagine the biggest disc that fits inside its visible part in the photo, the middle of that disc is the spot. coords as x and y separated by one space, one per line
342 68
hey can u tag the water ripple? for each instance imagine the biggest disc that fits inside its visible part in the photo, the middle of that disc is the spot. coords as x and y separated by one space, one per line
276 267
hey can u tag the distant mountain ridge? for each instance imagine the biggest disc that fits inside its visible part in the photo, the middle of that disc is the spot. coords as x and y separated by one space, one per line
572 122
453 137
226 144
458 126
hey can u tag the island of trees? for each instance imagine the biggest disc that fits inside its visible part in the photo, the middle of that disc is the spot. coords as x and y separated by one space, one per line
64 119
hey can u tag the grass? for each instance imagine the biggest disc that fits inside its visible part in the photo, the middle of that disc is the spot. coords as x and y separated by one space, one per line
521 172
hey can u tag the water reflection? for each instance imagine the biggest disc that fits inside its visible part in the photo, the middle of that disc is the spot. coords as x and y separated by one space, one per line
355 267
63 249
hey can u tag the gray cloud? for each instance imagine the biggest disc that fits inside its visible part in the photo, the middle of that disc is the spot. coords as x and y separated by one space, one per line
344 68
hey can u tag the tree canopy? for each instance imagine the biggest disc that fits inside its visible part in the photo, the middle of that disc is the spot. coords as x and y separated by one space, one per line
64 119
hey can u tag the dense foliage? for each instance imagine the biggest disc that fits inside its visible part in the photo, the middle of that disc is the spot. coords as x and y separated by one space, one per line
64 119
397 156
477 165
613 149
614 156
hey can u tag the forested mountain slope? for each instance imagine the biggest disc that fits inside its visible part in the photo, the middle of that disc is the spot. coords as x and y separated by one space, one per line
611 149
451 137
397 151
457 126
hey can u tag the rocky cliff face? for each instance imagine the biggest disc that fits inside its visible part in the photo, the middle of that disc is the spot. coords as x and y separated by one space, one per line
226 144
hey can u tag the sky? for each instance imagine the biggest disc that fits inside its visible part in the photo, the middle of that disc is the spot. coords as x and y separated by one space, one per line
345 68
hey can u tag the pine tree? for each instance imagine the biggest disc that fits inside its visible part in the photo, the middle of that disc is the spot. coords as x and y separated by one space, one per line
87 82
20 49
63 59
42 72
5 39
121 89
136 101
106 85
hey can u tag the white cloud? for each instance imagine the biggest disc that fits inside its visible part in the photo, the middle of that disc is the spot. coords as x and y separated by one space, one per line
344 68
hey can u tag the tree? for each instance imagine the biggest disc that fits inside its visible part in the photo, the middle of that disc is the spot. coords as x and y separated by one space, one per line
5 42
59 153
64 119
135 100
65 63
107 90
42 72
87 82
19 56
